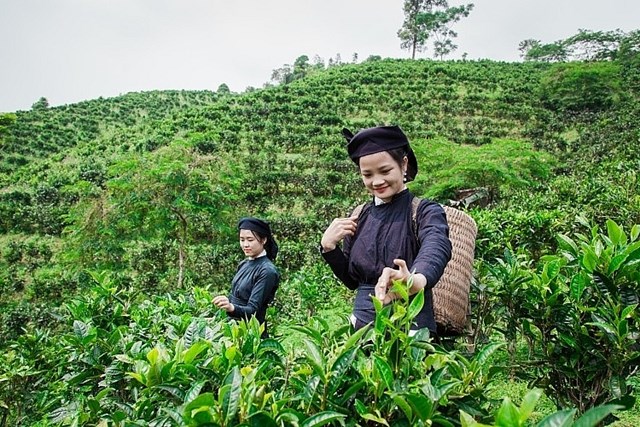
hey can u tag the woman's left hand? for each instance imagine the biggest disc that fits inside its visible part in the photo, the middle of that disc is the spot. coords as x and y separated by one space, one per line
223 302
388 276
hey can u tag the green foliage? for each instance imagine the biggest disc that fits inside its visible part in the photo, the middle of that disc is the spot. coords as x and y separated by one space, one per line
534 50
151 211
531 230
40 104
287 73
586 45
579 315
579 86
430 19
148 187
503 287
498 166
124 359
629 59
509 415
309 291
6 121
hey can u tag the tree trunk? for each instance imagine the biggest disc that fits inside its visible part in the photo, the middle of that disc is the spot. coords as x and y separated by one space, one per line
182 238
413 47
181 257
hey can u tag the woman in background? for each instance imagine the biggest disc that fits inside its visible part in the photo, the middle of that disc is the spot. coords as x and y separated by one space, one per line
379 244
256 280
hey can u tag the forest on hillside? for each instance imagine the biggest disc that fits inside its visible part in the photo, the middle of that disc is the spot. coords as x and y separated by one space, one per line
117 225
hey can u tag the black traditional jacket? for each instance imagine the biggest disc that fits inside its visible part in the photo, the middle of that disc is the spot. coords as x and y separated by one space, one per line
384 233
253 288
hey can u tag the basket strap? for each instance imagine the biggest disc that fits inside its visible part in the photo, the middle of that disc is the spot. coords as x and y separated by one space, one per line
358 210
414 216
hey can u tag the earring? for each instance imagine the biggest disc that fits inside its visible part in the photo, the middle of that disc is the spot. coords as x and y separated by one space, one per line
405 177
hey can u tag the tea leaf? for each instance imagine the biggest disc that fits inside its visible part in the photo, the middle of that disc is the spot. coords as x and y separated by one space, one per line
558 419
205 400
589 260
355 337
617 386
616 262
481 358
314 356
416 305
80 328
604 326
566 243
422 406
401 289
593 416
193 392
345 396
577 286
195 349
507 415
340 366
322 418
376 418
623 328
615 233
528 404
384 371
403 405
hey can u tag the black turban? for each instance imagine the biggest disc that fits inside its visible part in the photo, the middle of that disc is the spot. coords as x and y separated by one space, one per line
378 139
262 228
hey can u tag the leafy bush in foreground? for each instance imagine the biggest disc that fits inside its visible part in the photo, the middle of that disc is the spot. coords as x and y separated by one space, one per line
579 315
164 362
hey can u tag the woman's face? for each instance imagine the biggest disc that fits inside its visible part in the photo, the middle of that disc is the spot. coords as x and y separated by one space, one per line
382 175
251 245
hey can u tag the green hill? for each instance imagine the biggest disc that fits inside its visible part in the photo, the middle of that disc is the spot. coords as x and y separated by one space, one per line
275 152
108 179
147 187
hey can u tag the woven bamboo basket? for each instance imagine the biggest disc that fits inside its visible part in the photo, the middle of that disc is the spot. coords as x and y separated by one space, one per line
451 293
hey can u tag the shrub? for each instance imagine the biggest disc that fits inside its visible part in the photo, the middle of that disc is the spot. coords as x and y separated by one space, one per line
581 316
578 86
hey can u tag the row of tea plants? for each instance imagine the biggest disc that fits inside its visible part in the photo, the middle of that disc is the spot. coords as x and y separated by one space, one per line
122 358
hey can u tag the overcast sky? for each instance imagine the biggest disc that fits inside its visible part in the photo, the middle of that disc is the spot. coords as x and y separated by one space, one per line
73 50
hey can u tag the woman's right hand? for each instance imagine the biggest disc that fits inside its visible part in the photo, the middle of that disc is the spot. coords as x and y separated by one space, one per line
223 302
337 230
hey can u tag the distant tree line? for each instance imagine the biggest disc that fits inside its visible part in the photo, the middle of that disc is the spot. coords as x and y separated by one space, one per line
425 20
586 45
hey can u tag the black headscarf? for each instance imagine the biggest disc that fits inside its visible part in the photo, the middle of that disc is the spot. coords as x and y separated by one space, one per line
378 139
262 228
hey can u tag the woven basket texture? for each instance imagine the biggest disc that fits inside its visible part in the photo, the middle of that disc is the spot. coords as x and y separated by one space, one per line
451 293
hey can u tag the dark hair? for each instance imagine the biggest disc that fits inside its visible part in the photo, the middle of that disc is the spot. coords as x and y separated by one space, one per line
398 154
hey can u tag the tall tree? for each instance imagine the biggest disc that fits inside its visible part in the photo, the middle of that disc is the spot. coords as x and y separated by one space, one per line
172 195
430 19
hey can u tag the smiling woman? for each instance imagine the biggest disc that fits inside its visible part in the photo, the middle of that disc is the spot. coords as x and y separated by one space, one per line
380 237
256 280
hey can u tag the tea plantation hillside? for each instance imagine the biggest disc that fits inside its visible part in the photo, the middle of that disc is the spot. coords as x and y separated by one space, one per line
114 175
117 224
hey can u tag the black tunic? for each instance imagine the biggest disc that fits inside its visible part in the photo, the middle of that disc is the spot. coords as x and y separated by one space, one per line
385 233
253 288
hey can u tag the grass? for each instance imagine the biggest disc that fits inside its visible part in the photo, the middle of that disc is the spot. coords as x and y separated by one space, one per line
515 390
